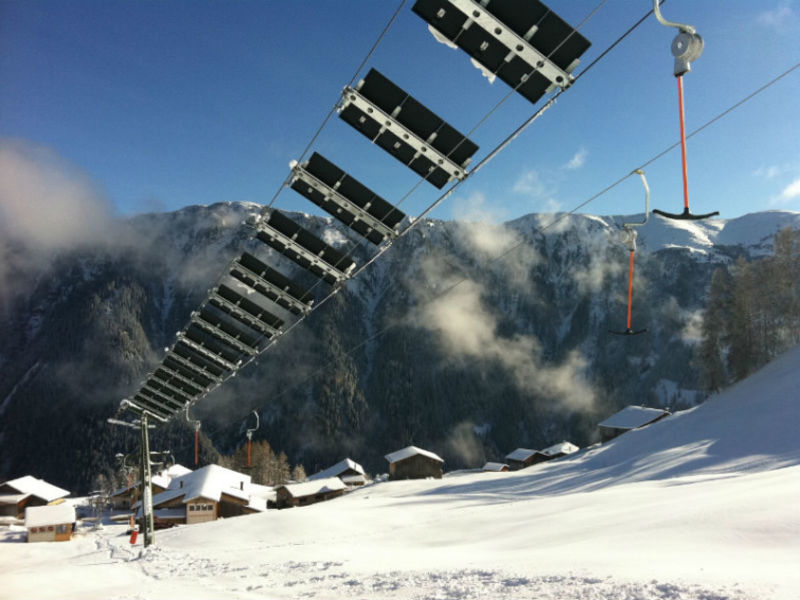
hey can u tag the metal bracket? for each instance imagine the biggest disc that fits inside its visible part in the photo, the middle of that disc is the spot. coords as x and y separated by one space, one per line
518 45
687 45
299 173
420 146
315 260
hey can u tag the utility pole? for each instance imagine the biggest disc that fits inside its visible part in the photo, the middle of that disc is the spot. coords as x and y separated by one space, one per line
146 526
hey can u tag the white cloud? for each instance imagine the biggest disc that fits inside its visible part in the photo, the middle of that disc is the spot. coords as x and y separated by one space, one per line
780 18
791 191
578 159
531 184
46 202
467 328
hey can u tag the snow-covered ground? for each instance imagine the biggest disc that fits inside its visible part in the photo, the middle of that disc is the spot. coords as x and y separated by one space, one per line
702 505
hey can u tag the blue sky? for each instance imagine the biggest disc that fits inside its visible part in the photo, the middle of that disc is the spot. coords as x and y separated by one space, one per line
167 104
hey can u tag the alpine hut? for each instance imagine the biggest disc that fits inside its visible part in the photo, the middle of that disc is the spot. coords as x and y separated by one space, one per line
51 523
522 458
414 463
309 492
630 417
349 471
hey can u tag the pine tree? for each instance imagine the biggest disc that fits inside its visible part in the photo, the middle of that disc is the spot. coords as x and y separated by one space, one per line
710 352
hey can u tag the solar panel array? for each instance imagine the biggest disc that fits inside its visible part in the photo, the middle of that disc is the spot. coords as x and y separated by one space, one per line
520 41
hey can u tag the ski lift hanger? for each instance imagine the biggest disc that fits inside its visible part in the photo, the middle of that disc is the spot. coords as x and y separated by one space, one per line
686 47
524 43
268 282
402 126
355 205
304 248
628 237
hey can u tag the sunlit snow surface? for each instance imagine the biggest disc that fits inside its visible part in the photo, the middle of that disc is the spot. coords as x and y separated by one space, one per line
702 505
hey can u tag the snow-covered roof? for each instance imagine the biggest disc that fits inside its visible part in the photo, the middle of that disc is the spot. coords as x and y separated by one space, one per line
37 487
338 469
310 488
410 451
521 454
632 417
561 448
55 514
494 466
354 479
175 471
208 482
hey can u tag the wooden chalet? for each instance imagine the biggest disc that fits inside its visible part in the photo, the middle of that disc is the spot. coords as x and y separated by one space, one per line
309 492
206 495
630 417
495 467
18 494
560 449
414 463
349 471
522 458
50 523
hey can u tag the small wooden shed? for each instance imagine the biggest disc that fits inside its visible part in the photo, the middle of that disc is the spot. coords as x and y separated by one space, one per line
414 463
309 492
347 470
560 449
52 523
522 458
630 417
495 467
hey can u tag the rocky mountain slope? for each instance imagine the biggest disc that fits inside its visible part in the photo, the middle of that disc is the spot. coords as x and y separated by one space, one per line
437 343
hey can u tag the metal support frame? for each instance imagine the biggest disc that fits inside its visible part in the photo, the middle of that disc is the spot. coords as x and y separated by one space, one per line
315 260
187 395
161 395
205 352
420 146
282 295
223 336
178 377
299 173
193 367
245 317
478 14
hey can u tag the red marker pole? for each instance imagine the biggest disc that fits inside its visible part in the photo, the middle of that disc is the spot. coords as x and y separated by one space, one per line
630 289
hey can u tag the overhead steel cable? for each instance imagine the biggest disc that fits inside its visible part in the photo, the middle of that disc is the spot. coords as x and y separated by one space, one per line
540 230
274 339
449 192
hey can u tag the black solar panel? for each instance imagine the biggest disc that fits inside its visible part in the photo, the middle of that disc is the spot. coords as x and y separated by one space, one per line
353 191
178 380
284 284
227 329
194 373
259 313
530 20
191 355
308 241
420 121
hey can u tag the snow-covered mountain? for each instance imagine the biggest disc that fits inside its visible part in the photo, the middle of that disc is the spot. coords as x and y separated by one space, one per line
438 343
700 505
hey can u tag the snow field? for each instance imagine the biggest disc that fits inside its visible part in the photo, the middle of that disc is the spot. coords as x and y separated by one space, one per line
703 505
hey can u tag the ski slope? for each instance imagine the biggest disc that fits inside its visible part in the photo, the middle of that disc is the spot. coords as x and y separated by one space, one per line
702 505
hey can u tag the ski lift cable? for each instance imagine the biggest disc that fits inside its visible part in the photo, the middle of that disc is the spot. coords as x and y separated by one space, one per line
449 192
555 221
395 207
333 109
485 161
357 245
